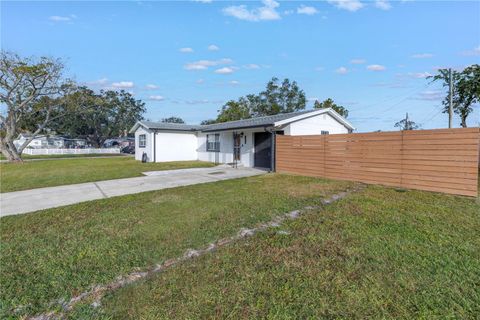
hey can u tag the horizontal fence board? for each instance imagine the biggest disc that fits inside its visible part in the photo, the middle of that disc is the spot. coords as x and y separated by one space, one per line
443 190
440 160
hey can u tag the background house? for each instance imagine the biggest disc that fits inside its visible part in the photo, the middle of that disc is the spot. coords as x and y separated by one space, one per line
248 142
49 141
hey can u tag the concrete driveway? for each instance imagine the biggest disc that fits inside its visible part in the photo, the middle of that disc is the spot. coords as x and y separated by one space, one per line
19 202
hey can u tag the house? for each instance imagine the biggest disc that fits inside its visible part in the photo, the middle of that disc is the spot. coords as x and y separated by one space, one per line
248 142
50 141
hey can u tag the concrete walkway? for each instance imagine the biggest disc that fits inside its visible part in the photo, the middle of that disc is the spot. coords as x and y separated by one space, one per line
19 202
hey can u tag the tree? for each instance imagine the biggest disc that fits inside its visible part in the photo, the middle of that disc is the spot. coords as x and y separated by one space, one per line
173 120
32 88
234 110
103 115
406 124
208 121
328 103
276 98
466 90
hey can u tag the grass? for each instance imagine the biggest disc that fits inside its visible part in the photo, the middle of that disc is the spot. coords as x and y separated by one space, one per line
37 174
56 253
61 156
380 253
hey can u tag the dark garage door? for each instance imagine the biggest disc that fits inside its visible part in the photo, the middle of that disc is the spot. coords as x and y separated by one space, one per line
263 150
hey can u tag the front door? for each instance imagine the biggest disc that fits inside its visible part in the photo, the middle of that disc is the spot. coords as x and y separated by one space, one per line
263 150
236 146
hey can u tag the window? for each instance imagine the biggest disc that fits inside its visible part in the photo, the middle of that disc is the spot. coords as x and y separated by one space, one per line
142 140
325 132
213 142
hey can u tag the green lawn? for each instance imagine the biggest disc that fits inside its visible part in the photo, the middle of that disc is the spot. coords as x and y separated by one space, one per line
54 254
37 174
378 254
61 156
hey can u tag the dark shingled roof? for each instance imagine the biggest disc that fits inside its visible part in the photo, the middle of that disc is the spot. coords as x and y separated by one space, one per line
246 123
170 126
253 122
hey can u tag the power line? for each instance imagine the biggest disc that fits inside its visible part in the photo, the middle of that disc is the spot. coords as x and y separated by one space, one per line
411 93
432 117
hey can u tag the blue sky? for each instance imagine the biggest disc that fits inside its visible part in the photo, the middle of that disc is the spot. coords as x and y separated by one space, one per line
188 58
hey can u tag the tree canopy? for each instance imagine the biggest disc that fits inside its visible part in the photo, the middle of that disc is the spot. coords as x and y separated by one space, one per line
406 124
277 98
466 90
173 120
328 103
31 88
208 121
104 115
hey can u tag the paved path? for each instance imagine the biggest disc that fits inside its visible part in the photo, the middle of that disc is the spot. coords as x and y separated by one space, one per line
19 202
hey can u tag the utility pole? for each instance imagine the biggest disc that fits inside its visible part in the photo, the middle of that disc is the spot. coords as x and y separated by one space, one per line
450 98
406 122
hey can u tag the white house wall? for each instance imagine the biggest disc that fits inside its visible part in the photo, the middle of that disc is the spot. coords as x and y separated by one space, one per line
315 125
148 147
182 146
226 147
175 146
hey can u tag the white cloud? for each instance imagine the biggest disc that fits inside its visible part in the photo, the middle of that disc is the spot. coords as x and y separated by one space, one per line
123 85
252 66
234 82
376 67
350 5
156 98
383 4
431 95
204 64
358 61
474 52
267 12
203 1
213 47
420 75
99 82
422 55
200 81
307 10
151 87
186 50
62 18
225 70
342 70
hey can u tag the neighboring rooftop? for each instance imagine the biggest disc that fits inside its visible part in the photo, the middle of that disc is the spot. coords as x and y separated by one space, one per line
170 126
238 124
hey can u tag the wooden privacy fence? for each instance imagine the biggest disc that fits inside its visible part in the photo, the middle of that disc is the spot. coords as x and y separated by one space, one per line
443 160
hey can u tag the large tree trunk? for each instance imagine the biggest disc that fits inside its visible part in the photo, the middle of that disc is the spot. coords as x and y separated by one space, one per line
9 151
464 121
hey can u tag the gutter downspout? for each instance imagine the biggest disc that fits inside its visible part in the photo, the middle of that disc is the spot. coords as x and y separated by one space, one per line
274 138
154 146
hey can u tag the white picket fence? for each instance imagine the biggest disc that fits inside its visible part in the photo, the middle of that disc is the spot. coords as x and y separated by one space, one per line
71 151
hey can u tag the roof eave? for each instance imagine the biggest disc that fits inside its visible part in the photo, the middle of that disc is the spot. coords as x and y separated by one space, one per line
242 127
330 111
